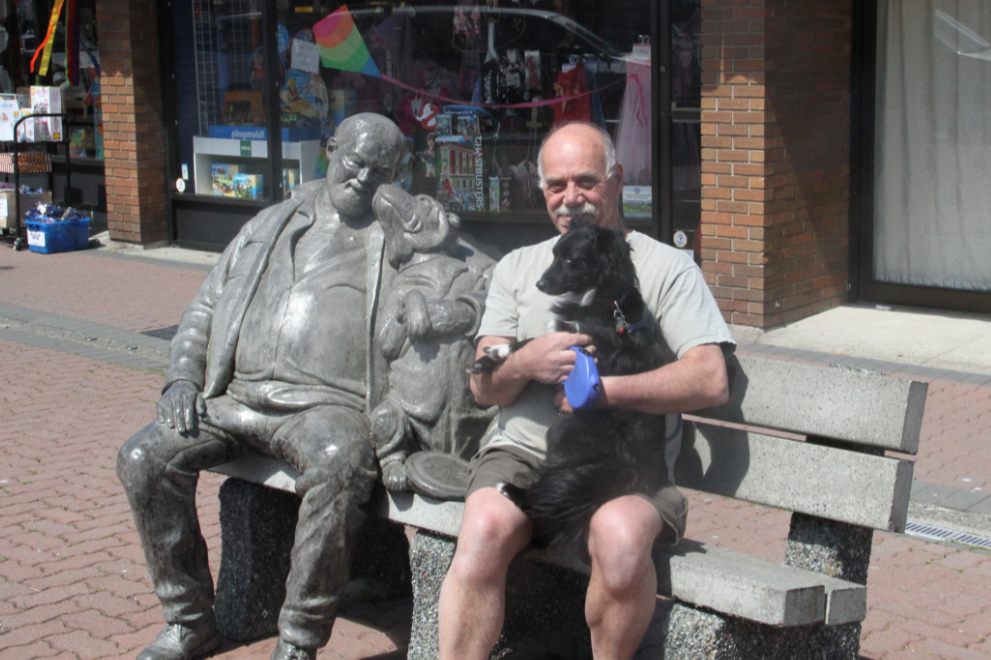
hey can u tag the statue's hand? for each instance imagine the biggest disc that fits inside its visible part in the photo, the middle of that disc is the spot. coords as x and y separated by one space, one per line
417 316
180 405
394 476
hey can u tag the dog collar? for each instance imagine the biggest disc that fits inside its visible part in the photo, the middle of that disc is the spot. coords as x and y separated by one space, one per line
622 327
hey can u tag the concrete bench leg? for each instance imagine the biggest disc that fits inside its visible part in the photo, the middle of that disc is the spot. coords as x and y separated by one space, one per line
545 605
258 526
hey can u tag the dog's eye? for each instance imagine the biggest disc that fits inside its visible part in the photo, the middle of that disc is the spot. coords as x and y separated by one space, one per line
414 224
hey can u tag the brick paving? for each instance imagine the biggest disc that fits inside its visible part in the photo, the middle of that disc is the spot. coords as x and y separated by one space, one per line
72 576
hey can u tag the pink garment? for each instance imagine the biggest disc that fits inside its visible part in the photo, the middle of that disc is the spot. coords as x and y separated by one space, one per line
633 134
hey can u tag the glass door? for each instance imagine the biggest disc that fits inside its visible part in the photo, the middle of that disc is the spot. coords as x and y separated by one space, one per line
686 126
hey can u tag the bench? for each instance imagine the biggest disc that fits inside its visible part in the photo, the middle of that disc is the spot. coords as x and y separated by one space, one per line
804 438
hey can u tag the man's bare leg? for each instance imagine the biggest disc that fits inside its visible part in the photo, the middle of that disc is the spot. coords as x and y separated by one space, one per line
473 597
622 593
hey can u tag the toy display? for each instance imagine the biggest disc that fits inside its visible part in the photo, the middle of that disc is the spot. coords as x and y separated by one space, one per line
474 86
222 178
248 186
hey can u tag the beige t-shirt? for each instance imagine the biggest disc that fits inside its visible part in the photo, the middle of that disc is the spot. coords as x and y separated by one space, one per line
671 284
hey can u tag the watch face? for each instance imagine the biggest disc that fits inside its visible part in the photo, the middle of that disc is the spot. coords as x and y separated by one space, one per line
180 185
680 239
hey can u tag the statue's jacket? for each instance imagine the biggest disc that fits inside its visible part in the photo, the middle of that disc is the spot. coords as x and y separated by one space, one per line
203 349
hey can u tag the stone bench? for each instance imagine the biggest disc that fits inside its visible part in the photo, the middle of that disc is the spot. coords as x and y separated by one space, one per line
808 439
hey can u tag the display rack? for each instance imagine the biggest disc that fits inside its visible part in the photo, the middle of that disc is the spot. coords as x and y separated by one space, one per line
206 151
17 149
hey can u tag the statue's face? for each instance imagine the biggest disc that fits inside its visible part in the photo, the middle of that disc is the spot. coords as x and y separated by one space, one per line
357 167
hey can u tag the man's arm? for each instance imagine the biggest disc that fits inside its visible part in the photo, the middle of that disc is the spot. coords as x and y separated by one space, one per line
547 359
697 380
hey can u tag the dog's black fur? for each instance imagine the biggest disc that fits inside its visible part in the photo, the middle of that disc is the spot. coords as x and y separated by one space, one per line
594 456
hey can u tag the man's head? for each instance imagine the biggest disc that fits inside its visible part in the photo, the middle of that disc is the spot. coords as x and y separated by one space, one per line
580 176
363 154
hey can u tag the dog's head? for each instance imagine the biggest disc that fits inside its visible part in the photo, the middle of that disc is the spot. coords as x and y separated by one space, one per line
413 224
590 261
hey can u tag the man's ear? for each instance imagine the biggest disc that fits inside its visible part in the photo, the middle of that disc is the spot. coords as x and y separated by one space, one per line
331 145
618 174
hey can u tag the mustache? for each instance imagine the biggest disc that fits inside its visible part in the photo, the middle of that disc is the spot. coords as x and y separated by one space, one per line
586 209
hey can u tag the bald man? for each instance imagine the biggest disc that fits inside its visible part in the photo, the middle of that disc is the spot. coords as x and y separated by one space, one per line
580 177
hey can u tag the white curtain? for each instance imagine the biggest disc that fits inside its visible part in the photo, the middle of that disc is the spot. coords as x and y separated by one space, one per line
932 195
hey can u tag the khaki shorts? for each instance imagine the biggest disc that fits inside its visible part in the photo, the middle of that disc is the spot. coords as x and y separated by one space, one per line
519 467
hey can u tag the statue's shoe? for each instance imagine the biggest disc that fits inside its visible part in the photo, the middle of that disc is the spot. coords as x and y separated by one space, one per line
286 651
179 642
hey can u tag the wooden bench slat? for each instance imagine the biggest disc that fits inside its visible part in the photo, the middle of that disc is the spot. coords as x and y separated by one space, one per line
835 402
848 486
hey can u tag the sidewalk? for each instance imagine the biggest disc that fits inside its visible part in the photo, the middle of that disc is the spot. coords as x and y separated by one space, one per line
83 338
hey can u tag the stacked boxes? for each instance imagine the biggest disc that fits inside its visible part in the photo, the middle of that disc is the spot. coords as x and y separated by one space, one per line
8 218
44 100
248 186
290 178
460 162
222 178
28 162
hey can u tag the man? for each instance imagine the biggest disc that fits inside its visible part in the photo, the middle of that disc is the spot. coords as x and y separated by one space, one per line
580 177
265 362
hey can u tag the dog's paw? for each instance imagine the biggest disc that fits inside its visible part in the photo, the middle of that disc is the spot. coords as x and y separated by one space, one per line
514 494
494 356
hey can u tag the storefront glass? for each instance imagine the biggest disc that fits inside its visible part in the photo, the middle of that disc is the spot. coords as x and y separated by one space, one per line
474 86
21 24
221 58
932 177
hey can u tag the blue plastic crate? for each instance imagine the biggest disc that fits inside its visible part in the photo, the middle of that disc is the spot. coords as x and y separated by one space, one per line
64 236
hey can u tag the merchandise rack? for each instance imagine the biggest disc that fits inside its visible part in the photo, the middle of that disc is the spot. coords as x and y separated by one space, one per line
67 191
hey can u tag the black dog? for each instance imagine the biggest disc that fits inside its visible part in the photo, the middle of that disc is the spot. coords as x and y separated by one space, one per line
594 456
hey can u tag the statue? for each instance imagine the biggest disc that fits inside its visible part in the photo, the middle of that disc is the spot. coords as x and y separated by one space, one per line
265 362
428 322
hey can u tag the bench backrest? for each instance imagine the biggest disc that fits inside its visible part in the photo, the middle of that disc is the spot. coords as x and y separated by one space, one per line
809 439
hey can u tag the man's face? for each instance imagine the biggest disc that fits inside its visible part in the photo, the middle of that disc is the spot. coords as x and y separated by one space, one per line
575 180
356 168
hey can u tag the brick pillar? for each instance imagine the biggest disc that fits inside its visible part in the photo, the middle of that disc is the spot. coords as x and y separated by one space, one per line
133 129
775 157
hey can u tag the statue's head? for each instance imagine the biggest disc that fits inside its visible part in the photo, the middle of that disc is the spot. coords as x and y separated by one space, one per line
363 154
413 224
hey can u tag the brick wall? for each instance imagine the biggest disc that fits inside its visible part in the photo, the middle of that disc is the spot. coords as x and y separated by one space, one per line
133 133
775 157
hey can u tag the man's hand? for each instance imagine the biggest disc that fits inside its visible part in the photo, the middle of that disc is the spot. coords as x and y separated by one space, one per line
180 405
547 359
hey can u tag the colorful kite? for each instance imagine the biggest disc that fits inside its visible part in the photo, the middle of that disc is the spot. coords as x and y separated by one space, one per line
341 45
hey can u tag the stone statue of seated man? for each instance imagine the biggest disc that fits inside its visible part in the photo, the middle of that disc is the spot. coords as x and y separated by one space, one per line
278 354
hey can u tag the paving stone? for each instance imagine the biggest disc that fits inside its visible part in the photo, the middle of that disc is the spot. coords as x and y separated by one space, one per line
965 500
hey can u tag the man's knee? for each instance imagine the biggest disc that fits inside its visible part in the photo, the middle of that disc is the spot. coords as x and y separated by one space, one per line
493 531
621 536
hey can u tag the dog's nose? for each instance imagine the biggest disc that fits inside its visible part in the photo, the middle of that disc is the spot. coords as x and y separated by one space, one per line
542 285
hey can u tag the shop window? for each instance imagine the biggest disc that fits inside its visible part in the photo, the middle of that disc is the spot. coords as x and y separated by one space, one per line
474 86
229 102
21 23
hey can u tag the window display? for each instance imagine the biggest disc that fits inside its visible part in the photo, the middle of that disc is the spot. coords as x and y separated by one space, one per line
475 87
65 77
